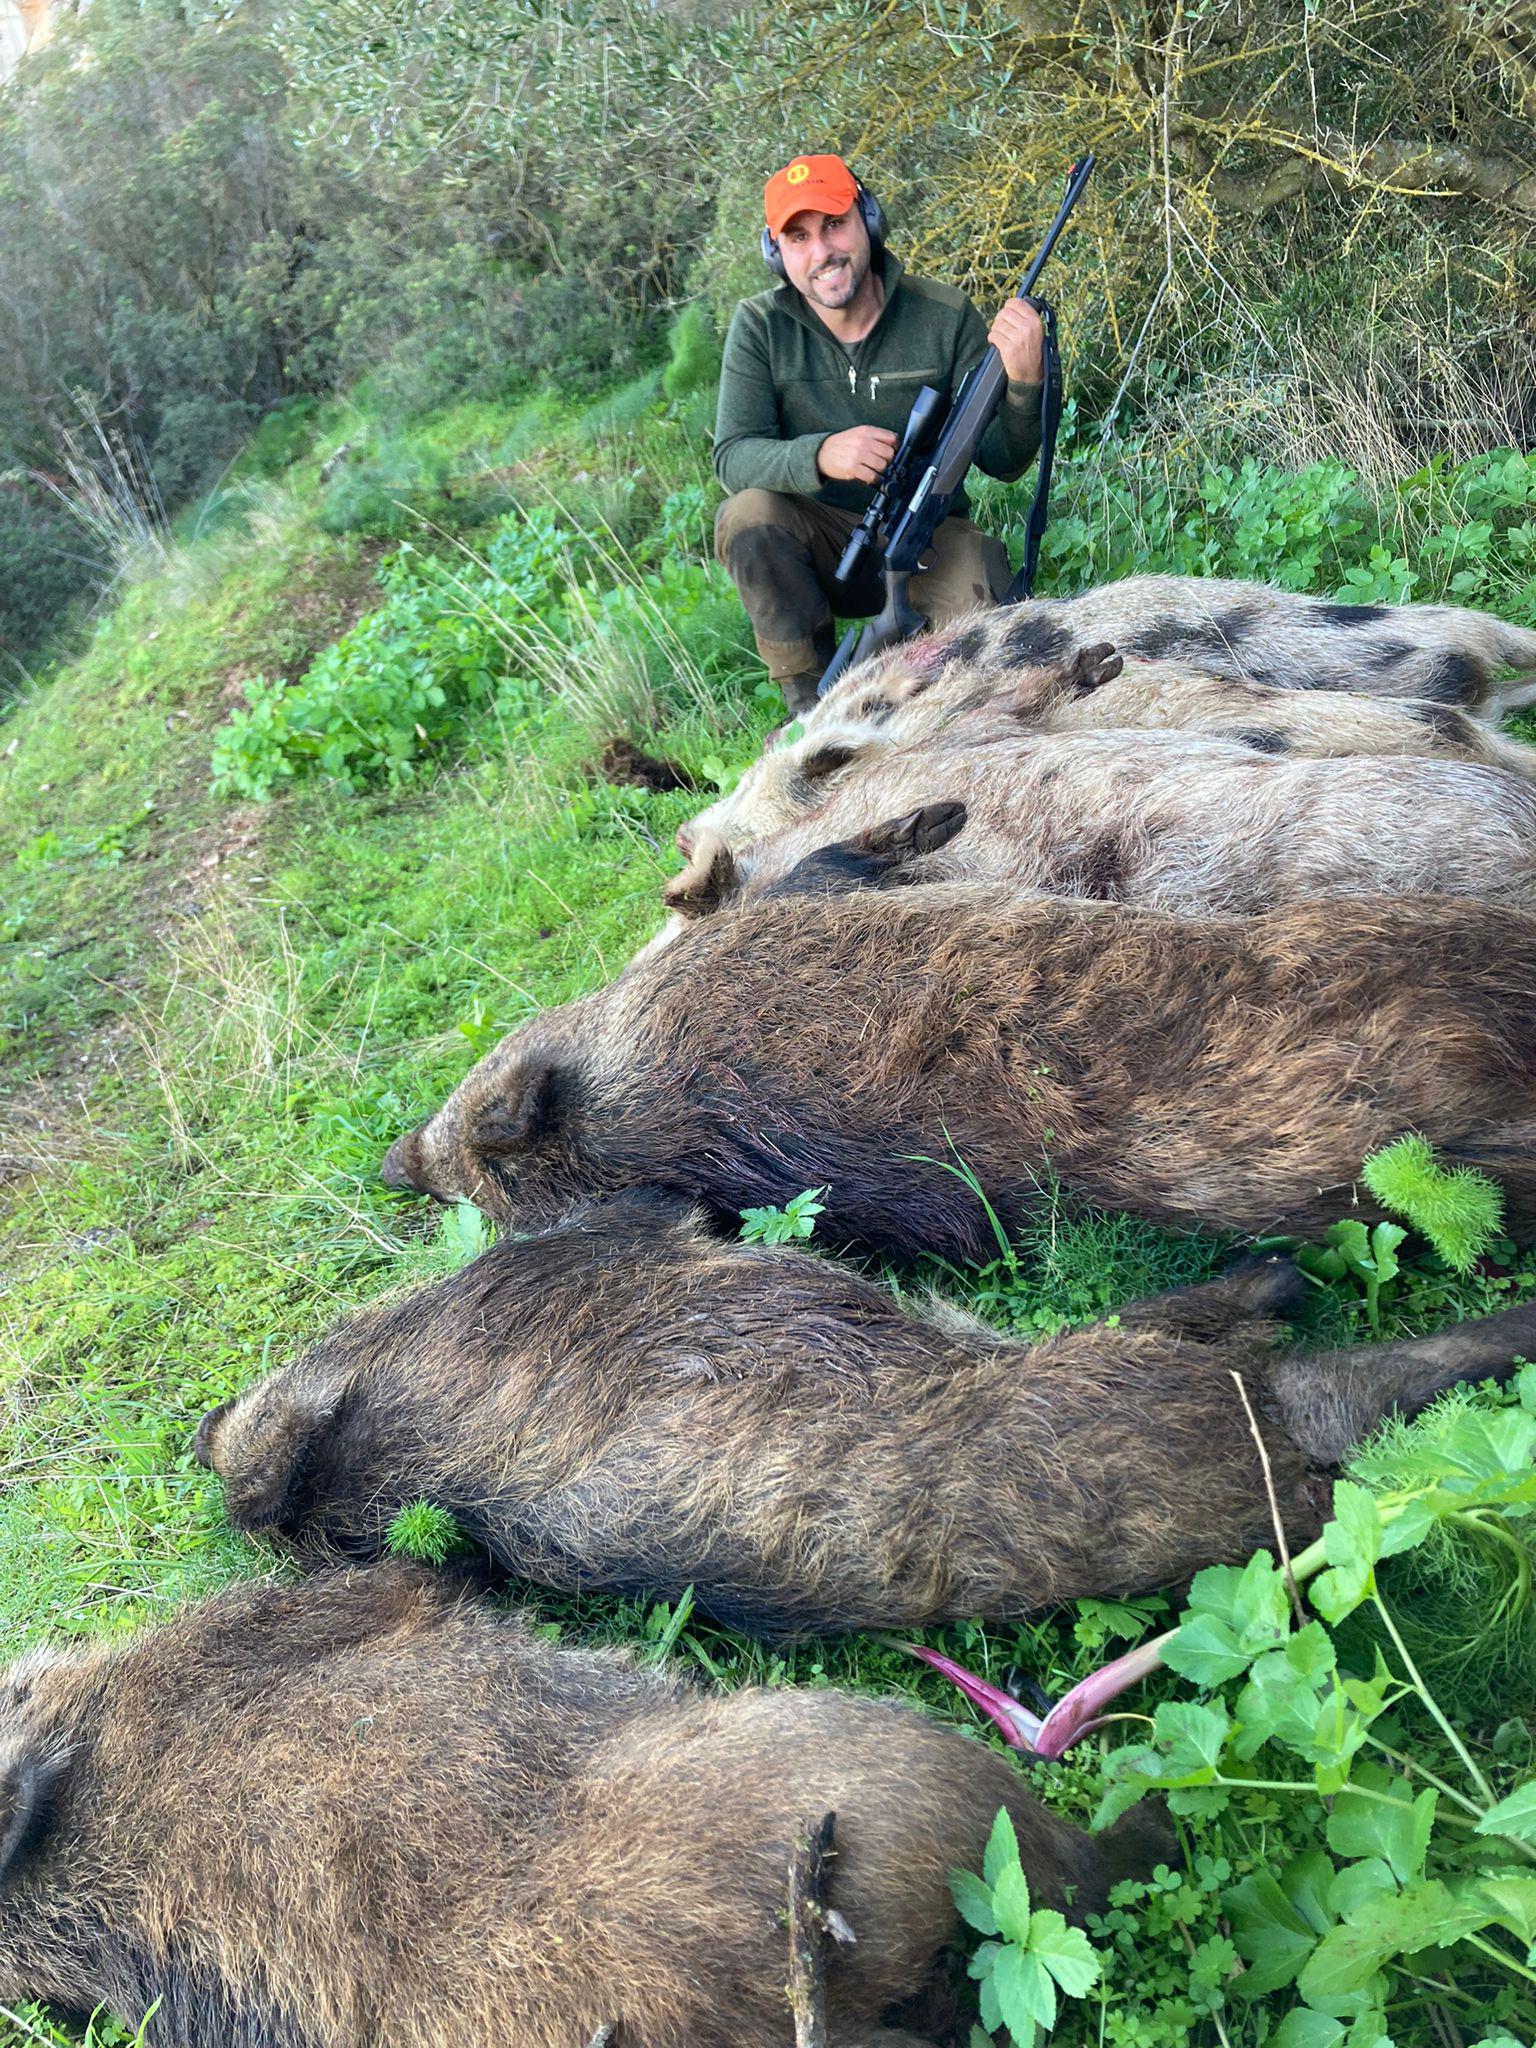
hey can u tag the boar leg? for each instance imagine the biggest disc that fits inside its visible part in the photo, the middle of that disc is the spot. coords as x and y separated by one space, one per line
1333 1399
1090 668
1260 1289
872 858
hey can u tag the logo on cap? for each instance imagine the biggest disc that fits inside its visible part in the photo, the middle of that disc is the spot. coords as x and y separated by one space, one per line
797 174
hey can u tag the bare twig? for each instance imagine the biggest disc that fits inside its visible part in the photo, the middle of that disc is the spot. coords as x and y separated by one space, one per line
809 1924
1274 1504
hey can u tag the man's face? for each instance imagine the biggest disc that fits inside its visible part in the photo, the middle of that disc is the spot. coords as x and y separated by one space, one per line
826 256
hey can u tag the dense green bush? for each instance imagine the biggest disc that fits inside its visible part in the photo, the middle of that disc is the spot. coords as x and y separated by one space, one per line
394 687
1464 532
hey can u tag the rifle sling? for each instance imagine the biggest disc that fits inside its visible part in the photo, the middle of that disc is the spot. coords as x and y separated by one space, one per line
1023 584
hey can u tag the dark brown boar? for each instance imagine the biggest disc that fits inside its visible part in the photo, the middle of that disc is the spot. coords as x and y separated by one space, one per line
368 1812
627 1403
1232 1072
1174 821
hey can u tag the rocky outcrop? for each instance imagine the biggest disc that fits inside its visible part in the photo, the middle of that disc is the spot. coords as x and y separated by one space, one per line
24 25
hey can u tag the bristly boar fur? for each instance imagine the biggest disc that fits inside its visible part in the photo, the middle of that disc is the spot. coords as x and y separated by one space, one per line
905 696
1254 633
1179 823
1232 1072
627 1403
368 1812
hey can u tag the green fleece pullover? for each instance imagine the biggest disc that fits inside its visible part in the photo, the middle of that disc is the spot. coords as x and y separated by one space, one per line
786 384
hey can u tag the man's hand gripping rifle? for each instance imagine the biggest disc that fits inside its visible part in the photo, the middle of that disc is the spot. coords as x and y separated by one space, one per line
914 496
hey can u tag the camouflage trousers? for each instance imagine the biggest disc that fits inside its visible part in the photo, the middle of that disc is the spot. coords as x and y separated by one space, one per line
782 552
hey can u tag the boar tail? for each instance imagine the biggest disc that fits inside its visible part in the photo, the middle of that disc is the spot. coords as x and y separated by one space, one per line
1332 1400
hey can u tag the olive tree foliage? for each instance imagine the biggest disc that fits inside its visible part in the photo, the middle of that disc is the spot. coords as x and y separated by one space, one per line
1332 200
581 136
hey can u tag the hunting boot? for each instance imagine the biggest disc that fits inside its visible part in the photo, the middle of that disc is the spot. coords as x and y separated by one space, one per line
799 692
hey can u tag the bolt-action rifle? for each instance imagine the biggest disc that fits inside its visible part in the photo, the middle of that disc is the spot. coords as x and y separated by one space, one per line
914 497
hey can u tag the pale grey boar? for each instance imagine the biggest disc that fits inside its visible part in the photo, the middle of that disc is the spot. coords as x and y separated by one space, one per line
904 697
1176 822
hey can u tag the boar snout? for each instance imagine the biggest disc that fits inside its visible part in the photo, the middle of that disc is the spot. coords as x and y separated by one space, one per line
401 1167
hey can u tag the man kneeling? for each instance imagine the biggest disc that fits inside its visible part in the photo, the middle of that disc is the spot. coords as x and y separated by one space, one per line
818 378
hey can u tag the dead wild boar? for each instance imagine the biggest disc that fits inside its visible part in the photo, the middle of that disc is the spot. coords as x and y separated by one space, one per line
628 1403
1253 633
1174 821
366 1811
1234 1072
899 700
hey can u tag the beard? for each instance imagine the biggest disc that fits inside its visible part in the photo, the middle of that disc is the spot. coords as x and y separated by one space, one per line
835 284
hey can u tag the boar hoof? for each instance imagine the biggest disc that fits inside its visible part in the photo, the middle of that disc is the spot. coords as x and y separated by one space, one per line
923 831
1092 667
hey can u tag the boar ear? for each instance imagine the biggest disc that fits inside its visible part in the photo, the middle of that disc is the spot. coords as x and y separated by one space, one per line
207 1430
262 1447
528 1110
704 884
28 1780
872 857
817 763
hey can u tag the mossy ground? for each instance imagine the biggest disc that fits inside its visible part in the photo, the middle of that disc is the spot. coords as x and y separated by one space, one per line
216 1017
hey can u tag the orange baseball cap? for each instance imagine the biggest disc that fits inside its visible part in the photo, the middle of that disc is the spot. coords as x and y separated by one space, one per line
818 184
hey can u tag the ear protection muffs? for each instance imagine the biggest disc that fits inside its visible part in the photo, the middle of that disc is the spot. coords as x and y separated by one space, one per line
871 212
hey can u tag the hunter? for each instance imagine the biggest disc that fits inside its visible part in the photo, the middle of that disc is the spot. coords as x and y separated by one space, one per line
818 378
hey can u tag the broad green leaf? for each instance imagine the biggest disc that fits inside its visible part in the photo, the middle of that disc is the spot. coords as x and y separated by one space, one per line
1206 1652
1351 1544
1002 1851
1487 1445
1352 1240
1337 1734
1065 1951
1511 1898
1025 1993
1514 1816
1385 1239
981 1962
1362 1826
991 2009
973 1900
1133 1772
1191 1737
1250 1605
1424 1915
1010 1902
1279 1702
1304 2028
1410 1524
1345 1961
1356 1883
1305 1880
1271 1936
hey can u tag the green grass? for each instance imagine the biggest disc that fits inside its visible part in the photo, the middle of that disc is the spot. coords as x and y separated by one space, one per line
217 1017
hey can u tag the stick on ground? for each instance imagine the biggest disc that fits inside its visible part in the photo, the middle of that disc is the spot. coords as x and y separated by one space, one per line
809 1925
